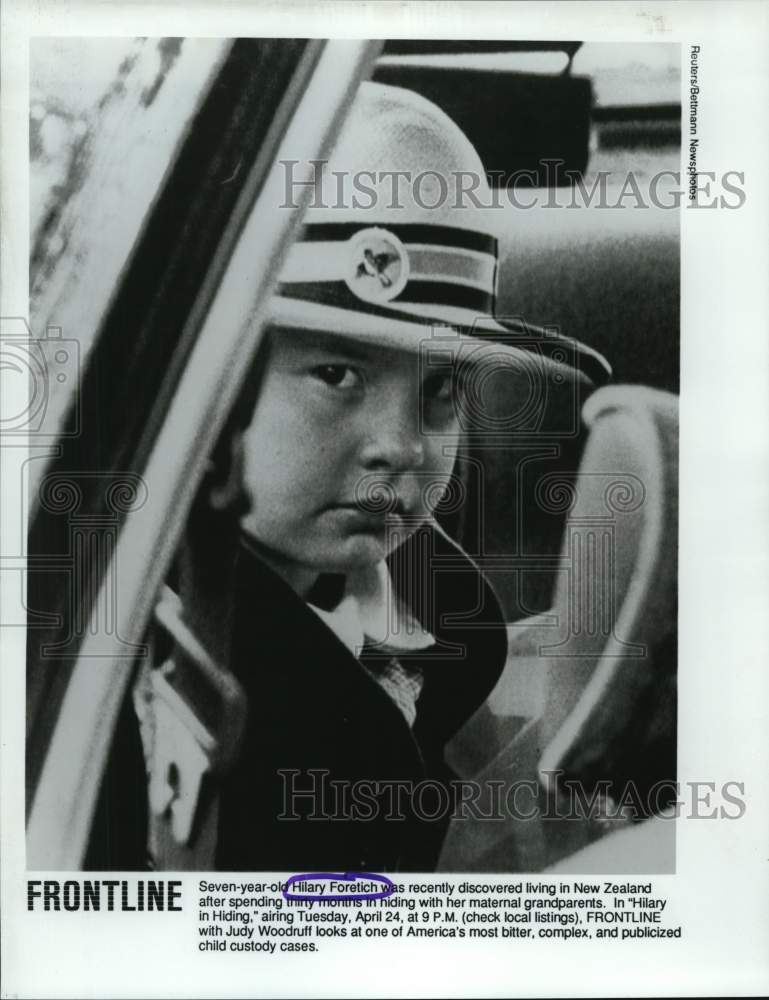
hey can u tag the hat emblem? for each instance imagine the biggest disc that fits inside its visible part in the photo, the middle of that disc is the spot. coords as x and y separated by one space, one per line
378 265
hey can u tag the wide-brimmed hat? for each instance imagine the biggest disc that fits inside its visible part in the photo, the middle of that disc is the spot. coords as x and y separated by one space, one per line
398 244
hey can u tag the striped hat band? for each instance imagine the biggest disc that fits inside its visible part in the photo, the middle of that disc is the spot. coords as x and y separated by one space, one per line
354 267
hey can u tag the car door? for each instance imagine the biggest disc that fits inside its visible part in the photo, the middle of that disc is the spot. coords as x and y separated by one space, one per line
169 340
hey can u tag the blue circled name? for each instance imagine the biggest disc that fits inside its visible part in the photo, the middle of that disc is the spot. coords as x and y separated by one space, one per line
319 886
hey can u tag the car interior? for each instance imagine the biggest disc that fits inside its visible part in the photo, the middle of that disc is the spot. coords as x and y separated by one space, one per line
570 497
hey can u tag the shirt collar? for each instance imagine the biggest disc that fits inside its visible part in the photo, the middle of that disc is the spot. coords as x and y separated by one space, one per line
370 611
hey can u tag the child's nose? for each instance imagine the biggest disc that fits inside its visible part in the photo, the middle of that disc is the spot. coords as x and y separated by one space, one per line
394 441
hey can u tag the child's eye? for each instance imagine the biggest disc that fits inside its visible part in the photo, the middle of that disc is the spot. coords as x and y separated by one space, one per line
337 376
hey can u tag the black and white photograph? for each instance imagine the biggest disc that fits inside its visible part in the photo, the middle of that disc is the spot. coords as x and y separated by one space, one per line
351 557
408 599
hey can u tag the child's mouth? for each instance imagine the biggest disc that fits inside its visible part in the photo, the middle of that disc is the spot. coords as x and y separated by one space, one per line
360 518
376 510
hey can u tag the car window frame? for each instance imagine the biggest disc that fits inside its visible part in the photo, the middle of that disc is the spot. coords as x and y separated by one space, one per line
221 333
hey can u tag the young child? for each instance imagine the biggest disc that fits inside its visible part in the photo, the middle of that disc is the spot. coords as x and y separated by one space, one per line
364 637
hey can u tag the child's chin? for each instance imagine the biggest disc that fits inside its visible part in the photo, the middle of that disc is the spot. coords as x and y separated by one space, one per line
349 551
357 553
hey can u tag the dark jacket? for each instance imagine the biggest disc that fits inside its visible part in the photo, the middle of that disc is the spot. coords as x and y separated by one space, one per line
319 722
317 718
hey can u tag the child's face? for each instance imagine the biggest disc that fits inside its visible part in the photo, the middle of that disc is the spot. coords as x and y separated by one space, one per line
335 418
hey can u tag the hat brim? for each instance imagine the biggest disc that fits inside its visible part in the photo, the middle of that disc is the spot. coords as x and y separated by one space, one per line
474 339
